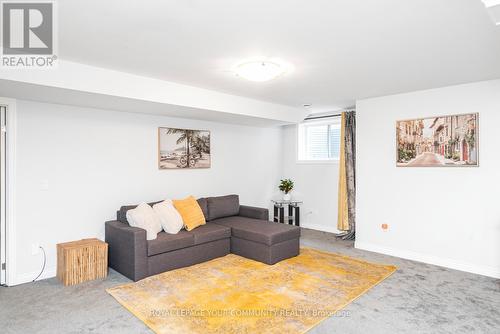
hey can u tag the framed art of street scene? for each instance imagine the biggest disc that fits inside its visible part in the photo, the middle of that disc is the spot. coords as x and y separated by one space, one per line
438 141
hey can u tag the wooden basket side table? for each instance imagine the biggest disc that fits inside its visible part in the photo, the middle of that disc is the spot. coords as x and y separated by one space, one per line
81 261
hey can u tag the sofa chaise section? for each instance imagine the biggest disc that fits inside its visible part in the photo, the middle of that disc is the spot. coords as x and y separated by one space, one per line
252 234
259 240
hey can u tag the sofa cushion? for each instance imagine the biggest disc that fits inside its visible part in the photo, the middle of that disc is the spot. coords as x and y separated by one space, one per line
121 215
190 211
210 232
264 232
202 202
223 206
143 216
168 242
170 218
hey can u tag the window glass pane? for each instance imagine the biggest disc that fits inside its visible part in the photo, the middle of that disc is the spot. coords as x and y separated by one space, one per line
334 141
319 140
316 138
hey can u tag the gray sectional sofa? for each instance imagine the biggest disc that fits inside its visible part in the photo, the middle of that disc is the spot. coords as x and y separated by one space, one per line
230 228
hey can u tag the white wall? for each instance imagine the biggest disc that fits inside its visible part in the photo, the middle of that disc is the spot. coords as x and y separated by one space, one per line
77 166
315 183
444 216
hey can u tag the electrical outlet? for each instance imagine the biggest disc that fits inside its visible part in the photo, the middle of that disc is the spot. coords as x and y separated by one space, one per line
35 249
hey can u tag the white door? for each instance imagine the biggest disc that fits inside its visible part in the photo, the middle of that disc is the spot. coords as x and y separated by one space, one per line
3 238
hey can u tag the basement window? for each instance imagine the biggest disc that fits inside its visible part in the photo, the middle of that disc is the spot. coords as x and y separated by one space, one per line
319 139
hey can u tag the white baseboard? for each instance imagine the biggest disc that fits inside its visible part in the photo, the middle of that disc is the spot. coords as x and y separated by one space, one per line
430 259
320 228
29 277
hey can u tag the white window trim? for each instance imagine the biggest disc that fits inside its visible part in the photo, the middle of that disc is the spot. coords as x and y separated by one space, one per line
317 162
311 161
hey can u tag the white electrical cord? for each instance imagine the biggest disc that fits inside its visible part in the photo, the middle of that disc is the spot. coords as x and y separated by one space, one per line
44 262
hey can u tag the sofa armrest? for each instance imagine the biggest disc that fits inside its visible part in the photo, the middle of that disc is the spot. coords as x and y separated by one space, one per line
127 249
254 212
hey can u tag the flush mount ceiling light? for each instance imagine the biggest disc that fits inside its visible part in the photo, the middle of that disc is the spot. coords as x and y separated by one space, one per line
260 70
493 7
491 3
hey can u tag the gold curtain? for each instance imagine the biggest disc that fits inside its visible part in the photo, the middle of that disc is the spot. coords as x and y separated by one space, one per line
343 208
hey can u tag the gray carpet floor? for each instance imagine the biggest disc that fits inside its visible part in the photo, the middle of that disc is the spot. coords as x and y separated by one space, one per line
418 298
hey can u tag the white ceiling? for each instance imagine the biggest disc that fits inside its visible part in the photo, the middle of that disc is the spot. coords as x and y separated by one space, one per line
343 50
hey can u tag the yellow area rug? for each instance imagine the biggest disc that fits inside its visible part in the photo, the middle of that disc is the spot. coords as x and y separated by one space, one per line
233 294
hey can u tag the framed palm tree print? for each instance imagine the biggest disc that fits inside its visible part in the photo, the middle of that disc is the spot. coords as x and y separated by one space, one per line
183 148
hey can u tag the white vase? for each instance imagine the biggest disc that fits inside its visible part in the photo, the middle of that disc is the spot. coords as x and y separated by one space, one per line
287 197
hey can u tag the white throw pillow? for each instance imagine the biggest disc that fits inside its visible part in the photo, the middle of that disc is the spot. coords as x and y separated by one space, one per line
144 217
170 218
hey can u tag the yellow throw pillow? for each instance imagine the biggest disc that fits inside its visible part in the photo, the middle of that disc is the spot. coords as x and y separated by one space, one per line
190 211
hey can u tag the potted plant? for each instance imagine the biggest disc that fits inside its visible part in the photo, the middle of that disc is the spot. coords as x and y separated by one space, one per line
286 186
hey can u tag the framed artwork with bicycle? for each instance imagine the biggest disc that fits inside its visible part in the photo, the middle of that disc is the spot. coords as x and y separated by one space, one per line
183 148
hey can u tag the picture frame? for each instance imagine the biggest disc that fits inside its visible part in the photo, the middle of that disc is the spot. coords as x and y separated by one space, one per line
439 141
183 148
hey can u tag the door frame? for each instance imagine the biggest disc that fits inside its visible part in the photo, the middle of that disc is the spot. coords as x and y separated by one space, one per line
10 169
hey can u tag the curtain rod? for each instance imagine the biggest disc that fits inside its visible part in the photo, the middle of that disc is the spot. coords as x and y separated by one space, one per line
320 117
326 116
